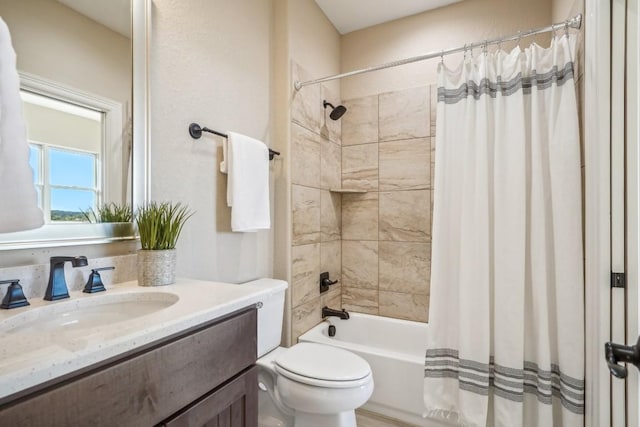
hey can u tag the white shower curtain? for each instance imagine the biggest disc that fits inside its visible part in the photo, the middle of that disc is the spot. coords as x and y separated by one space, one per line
506 309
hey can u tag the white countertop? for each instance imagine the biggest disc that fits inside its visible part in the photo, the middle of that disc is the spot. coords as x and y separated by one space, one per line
31 357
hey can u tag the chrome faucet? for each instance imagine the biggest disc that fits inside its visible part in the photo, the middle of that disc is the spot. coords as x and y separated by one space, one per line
326 312
57 287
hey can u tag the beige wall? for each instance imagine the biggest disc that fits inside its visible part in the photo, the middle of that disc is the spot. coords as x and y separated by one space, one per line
565 9
59 44
210 64
447 27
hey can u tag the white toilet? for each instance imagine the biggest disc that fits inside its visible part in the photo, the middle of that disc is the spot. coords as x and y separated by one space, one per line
308 384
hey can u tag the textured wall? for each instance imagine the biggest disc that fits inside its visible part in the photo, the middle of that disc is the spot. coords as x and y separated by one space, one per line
432 31
210 64
57 43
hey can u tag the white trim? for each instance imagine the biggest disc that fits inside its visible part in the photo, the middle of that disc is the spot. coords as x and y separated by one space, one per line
142 20
597 210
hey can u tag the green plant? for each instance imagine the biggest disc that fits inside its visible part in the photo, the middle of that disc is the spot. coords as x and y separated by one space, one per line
109 212
160 224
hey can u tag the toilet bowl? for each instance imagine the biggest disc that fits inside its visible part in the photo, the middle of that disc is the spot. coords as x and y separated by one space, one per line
308 384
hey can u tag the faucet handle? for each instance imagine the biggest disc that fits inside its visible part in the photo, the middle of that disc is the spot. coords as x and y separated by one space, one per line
94 284
15 296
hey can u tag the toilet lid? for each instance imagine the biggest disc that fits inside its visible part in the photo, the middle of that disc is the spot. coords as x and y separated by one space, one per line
323 362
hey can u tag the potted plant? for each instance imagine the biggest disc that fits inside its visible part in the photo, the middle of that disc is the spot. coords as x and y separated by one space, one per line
109 212
159 226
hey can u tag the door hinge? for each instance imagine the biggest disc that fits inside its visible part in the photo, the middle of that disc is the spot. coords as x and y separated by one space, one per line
618 280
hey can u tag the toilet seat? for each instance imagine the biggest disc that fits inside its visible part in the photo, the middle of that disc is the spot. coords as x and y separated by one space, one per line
323 366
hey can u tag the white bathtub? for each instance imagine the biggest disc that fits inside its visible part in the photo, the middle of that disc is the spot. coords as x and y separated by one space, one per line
395 351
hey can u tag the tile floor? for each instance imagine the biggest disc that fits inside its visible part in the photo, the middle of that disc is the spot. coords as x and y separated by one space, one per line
370 419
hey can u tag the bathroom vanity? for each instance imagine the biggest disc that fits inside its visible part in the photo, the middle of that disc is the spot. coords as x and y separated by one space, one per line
190 363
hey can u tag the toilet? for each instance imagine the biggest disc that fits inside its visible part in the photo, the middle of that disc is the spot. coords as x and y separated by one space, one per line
308 384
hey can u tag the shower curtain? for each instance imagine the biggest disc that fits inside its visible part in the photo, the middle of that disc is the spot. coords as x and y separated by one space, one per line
506 309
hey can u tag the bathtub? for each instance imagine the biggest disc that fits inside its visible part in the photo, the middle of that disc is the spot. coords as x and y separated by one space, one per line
395 351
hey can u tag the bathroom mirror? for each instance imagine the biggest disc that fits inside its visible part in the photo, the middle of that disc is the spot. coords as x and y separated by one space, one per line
84 84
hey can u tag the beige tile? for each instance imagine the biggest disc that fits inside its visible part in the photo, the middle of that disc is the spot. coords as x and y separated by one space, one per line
306 215
360 309
331 129
405 216
433 107
360 216
305 317
330 216
360 264
405 267
332 298
360 167
306 105
305 273
360 122
404 114
359 297
330 165
405 165
370 419
404 306
305 156
331 261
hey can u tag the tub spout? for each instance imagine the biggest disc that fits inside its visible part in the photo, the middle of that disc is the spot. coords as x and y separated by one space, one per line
326 312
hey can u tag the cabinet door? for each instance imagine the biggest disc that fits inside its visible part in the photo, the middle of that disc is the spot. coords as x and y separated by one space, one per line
147 387
235 404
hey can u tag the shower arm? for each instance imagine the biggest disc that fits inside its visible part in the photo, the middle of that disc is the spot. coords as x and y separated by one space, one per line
575 22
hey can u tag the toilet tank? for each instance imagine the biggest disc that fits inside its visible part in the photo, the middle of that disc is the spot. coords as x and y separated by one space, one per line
270 313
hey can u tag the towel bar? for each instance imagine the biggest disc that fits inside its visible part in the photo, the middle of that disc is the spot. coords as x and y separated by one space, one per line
195 130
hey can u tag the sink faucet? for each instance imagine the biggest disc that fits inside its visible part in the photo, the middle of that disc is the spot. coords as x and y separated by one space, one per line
57 287
326 312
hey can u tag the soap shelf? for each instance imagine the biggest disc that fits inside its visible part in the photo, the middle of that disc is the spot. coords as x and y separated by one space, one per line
346 190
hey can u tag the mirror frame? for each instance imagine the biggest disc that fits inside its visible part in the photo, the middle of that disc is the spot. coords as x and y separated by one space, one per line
52 235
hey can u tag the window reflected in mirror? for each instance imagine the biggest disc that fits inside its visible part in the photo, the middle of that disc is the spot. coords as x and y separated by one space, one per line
66 145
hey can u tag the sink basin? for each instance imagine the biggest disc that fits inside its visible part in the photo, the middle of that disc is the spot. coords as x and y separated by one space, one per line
86 312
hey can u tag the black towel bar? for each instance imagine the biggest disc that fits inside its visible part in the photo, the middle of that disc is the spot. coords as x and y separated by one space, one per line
195 130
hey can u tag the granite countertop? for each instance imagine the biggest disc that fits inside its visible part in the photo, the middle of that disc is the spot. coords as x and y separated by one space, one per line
32 354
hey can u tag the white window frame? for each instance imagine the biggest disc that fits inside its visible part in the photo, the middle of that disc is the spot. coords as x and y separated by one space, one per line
46 186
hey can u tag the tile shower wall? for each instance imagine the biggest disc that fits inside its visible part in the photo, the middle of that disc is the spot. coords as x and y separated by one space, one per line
316 211
388 144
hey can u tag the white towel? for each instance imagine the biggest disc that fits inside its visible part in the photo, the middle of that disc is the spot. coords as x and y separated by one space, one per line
18 200
248 183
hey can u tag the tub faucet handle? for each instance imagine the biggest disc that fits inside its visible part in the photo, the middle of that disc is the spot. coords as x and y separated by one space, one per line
325 282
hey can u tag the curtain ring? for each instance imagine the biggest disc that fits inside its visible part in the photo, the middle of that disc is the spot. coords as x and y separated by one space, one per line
519 38
484 47
554 30
566 28
464 53
442 56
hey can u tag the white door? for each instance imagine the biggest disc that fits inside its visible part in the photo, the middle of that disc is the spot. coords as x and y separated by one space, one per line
625 218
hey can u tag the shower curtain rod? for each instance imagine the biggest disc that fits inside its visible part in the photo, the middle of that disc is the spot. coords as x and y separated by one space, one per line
575 22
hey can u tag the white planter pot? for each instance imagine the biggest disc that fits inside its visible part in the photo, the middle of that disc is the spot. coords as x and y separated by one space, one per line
156 268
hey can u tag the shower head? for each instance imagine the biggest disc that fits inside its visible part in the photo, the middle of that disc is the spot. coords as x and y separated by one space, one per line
336 112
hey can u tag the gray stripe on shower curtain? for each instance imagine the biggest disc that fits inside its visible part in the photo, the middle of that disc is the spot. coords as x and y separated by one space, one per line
507 382
526 84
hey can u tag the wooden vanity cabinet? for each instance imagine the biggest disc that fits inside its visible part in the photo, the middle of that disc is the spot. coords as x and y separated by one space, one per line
203 376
